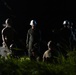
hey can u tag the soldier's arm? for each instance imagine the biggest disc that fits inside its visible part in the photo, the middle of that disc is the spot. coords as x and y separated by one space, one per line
3 37
44 55
27 39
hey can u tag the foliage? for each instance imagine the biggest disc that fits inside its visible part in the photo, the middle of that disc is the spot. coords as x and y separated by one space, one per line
24 66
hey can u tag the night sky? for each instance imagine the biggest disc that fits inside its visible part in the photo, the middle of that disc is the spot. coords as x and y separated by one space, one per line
49 14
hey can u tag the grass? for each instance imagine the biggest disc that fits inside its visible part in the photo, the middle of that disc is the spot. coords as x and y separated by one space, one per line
24 66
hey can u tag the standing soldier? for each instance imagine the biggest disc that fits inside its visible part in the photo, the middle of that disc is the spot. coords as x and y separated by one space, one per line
67 34
33 41
8 34
73 37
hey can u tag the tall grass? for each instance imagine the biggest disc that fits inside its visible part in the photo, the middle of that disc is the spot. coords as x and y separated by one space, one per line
24 66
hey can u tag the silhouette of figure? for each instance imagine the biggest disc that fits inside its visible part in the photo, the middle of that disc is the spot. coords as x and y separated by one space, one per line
8 33
47 53
67 34
51 54
33 40
8 37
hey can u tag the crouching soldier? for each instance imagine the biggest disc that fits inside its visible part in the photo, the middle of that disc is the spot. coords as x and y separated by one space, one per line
47 53
50 54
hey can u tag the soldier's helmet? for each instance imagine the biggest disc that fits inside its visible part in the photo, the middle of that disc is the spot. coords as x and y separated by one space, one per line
8 22
66 22
49 43
33 22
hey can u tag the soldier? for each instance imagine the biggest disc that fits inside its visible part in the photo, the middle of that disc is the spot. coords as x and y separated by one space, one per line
33 40
67 34
8 34
73 37
47 53
51 54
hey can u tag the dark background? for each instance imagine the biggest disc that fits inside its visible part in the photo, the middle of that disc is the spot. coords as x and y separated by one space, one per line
49 15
